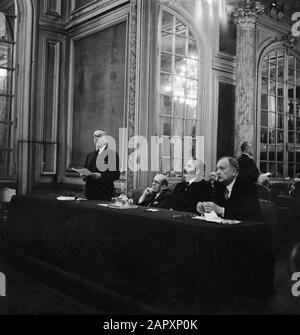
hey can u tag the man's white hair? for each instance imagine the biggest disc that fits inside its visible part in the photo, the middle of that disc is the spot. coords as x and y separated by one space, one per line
199 165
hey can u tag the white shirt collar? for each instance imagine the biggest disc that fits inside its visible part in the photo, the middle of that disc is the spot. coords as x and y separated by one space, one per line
101 150
192 180
245 153
230 186
197 178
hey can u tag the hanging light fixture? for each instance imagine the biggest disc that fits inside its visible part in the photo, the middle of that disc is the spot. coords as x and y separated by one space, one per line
276 11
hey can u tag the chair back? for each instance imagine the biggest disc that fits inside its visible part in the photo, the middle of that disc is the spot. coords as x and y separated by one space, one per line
263 192
6 194
269 212
136 194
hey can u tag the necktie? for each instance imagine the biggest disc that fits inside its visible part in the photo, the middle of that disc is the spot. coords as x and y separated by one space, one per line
186 186
152 200
226 194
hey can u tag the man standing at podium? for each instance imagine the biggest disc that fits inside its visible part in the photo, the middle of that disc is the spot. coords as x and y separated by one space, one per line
104 165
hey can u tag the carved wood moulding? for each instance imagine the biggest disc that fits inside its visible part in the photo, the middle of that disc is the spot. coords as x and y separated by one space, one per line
132 83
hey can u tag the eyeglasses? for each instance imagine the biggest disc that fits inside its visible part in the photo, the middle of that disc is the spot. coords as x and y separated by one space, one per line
155 182
98 135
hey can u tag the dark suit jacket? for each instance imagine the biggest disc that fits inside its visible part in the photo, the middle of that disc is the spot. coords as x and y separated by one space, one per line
103 188
248 169
186 198
243 203
217 191
162 201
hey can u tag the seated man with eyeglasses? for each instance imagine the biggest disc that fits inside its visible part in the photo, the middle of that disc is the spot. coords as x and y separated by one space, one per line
158 195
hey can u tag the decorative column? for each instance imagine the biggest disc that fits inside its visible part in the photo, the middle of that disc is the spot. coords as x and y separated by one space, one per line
132 83
245 19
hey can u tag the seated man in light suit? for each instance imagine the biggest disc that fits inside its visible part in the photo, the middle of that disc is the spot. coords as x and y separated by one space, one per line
188 193
240 200
158 195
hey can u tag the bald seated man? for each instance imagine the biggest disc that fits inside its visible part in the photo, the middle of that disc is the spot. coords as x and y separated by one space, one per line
239 200
193 189
158 195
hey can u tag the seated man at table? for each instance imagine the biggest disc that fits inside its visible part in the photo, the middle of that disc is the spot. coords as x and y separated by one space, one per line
188 193
104 165
158 195
240 200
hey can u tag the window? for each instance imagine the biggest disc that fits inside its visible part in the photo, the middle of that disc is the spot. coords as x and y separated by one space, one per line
179 78
7 70
280 114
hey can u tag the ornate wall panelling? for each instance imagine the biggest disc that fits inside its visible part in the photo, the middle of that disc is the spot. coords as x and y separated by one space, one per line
81 29
147 102
53 8
81 11
54 14
223 109
245 19
49 104
26 62
133 82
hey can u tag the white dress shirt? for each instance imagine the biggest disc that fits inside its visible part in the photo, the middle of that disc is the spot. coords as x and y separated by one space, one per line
229 187
101 150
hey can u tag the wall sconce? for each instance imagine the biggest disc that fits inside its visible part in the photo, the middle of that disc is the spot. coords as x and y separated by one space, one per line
276 11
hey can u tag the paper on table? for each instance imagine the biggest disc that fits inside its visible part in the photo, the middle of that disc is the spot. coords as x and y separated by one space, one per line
231 221
212 216
84 172
64 198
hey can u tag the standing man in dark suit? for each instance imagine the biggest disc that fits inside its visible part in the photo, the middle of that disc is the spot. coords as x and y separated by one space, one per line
188 193
240 200
248 169
104 165
158 195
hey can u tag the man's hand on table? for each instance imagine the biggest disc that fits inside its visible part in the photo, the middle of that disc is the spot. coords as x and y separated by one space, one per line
94 176
208 207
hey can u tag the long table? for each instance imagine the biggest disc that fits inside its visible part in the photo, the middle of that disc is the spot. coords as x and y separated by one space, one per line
159 258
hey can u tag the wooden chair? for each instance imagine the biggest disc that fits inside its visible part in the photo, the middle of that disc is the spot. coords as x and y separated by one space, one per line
264 193
136 194
269 212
